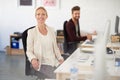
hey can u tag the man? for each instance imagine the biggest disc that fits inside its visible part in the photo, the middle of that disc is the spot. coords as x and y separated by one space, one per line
72 29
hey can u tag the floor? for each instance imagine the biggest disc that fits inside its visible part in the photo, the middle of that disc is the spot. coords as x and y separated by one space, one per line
13 67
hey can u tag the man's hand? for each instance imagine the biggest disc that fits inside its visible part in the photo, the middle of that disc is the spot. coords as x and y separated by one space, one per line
89 36
94 33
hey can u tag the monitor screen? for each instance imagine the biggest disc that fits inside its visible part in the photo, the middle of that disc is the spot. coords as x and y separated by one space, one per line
117 25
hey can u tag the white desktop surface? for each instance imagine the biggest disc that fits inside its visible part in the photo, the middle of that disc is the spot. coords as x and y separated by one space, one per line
85 66
76 58
83 62
86 49
111 68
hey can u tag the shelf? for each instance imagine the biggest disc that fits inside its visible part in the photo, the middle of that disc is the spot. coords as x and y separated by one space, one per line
60 40
14 49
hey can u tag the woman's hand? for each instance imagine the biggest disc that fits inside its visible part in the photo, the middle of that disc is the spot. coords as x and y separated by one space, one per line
35 63
61 61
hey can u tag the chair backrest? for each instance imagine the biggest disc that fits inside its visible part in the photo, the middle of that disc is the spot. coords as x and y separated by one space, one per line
64 31
28 64
69 47
65 44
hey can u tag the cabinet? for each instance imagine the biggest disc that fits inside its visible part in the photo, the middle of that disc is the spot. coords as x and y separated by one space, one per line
14 48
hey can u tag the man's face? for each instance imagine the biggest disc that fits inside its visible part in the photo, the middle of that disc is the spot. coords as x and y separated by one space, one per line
76 14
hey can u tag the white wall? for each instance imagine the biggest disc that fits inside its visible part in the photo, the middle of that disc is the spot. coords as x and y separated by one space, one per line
94 14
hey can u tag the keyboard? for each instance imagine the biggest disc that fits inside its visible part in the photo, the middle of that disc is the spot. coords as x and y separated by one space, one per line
88 46
90 42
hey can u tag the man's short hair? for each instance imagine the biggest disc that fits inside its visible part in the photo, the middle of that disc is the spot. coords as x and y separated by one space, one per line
75 8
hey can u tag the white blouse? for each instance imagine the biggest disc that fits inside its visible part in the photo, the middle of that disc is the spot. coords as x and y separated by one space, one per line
48 56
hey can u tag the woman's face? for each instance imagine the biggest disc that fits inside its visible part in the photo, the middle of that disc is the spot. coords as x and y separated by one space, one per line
41 16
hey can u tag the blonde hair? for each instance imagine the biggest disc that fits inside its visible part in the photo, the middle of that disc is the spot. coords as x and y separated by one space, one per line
42 9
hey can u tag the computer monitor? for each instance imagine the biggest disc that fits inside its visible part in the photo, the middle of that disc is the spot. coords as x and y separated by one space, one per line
100 69
117 25
107 32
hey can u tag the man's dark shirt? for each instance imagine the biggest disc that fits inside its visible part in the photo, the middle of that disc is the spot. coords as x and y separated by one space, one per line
71 32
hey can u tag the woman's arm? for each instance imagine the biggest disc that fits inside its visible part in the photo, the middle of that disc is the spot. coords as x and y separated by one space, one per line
30 45
30 50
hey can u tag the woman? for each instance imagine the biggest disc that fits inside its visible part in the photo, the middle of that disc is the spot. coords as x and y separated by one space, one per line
42 49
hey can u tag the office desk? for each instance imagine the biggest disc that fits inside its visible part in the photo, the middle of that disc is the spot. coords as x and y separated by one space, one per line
63 71
114 45
85 47
85 67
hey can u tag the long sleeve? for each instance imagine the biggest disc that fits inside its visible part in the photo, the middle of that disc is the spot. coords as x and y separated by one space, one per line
71 32
30 43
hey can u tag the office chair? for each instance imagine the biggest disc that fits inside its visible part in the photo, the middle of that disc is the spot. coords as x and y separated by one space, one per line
28 67
69 47
65 43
